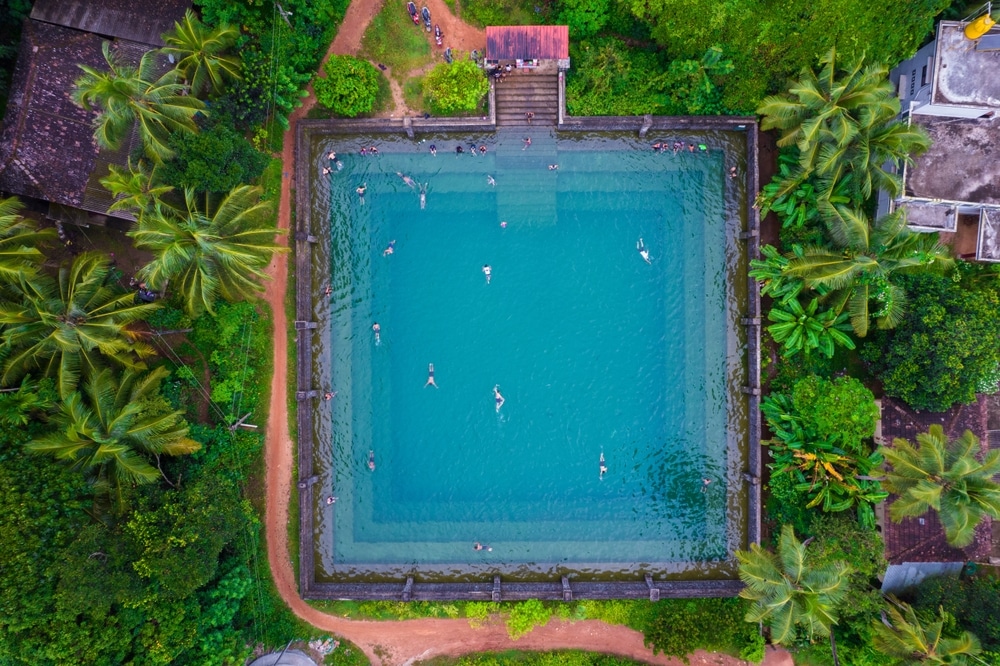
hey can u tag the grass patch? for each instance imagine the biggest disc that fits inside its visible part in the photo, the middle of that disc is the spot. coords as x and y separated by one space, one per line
393 40
517 658
413 93
482 13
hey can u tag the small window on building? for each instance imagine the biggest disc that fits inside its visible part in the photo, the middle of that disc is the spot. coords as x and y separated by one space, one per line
923 76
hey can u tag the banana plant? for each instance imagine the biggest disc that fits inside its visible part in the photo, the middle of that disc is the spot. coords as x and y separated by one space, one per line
804 329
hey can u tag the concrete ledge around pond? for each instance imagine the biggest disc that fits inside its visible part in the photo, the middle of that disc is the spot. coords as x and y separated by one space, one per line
310 396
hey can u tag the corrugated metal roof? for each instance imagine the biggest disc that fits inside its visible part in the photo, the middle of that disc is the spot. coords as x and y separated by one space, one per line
526 42
135 20
922 539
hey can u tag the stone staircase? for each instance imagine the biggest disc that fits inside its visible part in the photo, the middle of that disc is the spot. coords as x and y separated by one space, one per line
524 92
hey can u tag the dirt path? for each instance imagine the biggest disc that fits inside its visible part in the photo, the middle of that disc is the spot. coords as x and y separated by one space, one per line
401 643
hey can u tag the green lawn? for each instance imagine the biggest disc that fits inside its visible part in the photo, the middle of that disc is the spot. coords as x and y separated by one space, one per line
394 41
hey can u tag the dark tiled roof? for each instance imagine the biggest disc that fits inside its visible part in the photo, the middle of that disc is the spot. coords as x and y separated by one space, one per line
922 539
135 20
524 42
47 150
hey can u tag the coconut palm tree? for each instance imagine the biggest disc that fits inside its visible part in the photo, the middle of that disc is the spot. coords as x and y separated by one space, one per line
859 266
209 246
20 239
905 637
200 50
945 476
115 429
787 592
135 188
70 324
843 120
125 95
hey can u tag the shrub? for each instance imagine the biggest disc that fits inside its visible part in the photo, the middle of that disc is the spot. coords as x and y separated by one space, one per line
216 159
680 626
350 87
455 88
584 17
525 616
947 344
975 603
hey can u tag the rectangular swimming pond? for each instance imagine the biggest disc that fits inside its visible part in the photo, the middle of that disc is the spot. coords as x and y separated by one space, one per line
595 352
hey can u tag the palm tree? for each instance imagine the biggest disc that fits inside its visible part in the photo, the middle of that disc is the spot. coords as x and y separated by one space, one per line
787 592
859 266
200 53
903 636
135 188
210 247
112 429
843 120
944 476
125 95
66 325
20 239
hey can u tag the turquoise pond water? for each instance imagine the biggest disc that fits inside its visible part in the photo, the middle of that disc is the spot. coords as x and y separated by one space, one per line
594 350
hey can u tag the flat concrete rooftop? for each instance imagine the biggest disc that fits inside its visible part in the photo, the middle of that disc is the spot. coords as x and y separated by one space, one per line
964 76
963 163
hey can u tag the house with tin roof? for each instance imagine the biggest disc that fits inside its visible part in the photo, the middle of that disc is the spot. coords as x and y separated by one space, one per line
48 156
916 548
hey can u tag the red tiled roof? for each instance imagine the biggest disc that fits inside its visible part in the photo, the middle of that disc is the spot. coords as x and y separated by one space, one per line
922 539
524 42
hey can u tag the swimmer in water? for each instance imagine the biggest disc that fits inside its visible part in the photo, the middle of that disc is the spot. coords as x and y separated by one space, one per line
479 546
327 171
407 180
459 150
497 398
503 224
704 484
378 332
371 460
488 272
553 167
361 191
332 156
430 376
643 252
490 181
482 150
389 249
527 143
603 467
423 196
434 149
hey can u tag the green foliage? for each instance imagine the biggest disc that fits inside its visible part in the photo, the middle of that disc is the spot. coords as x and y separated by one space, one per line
216 159
350 86
680 626
924 640
482 13
822 440
202 53
946 344
790 590
808 329
525 616
585 18
633 613
950 477
610 78
560 658
278 59
769 43
393 40
455 88
478 612
838 537
974 602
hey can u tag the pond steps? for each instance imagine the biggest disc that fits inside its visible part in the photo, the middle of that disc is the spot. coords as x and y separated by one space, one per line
523 92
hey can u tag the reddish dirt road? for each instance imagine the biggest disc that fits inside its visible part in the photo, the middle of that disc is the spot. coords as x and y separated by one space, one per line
401 643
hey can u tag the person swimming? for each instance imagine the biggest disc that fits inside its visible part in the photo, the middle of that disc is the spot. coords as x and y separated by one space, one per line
488 272
459 150
603 467
497 397
423 196
553 167
371 460
490 181
378 333
643 252
434 149
406 179
430 376
332 156
479 546
361 190
389 249
327 171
